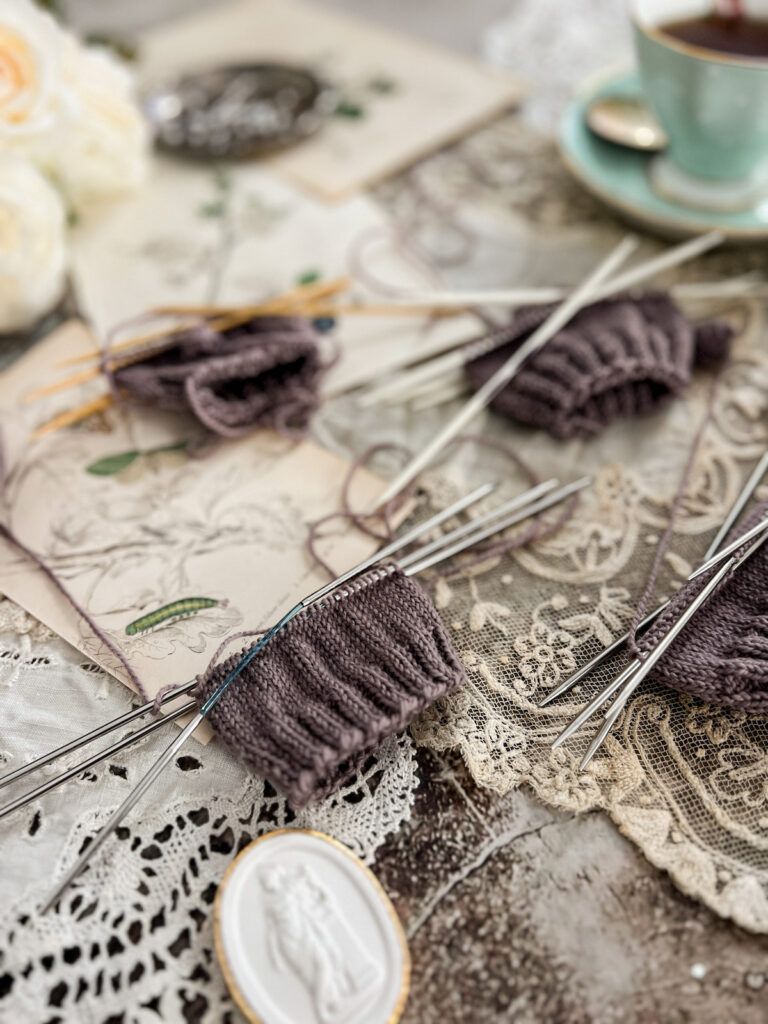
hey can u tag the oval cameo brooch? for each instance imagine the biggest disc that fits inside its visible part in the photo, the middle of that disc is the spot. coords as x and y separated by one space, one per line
305 934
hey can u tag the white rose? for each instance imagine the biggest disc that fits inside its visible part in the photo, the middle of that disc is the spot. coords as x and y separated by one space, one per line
30 44
32 244
105 140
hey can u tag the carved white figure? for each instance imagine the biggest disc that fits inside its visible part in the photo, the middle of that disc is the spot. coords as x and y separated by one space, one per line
307 937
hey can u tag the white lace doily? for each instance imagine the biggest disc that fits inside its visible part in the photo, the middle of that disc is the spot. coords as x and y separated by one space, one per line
136 932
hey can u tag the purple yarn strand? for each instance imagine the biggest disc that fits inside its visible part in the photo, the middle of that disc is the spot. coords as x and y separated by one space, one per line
84 615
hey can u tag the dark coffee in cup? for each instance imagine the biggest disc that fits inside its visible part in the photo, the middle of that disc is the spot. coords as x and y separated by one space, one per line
739 35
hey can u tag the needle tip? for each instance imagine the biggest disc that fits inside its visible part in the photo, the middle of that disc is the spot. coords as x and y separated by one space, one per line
594 746
567 732
50 902
561 689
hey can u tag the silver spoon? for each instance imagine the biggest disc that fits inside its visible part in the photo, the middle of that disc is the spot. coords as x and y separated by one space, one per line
626 122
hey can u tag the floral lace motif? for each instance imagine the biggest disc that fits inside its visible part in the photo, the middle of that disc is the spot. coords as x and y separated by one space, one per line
686 781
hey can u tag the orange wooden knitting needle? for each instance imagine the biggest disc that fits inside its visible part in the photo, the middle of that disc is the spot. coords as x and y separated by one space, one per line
301 294
72 416
228 317
225 321
84 376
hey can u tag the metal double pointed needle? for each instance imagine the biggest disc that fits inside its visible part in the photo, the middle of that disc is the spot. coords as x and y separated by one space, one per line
581 296
116 723
468 528
96 758
739 505
94 734
422 562
452 543
594 706
640 672
745 494
755 531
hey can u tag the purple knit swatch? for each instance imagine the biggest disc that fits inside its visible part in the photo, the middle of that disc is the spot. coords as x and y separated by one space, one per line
721 656
615 359
336 681
265 374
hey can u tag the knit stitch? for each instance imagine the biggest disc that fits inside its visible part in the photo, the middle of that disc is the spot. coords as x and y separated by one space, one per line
617 358
338 679
721 656
265 374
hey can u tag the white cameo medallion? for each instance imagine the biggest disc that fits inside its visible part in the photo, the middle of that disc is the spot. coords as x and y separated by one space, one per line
306 935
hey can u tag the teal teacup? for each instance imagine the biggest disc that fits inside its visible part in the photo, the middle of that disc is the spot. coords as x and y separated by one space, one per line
713 105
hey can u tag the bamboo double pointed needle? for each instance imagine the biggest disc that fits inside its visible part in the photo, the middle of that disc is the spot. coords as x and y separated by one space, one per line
282 304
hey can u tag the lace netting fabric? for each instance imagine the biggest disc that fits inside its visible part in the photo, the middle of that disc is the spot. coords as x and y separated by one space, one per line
134 942
687 781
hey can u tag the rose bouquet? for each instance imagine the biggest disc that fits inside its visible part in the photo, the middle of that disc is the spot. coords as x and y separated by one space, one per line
71 135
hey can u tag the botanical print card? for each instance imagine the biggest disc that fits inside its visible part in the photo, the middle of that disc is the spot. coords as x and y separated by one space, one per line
239 234
168 552
399 99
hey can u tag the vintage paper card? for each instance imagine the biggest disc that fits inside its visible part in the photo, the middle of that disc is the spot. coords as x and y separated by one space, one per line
400 99
200 235
168 552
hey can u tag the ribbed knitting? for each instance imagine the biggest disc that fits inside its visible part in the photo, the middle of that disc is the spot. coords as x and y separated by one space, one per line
265 374
331 685
721 656
616 358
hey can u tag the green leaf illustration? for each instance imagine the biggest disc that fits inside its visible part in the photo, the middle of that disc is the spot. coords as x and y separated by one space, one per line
178 446
112 464
308 277
350 109
222 179
382 85
211 209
